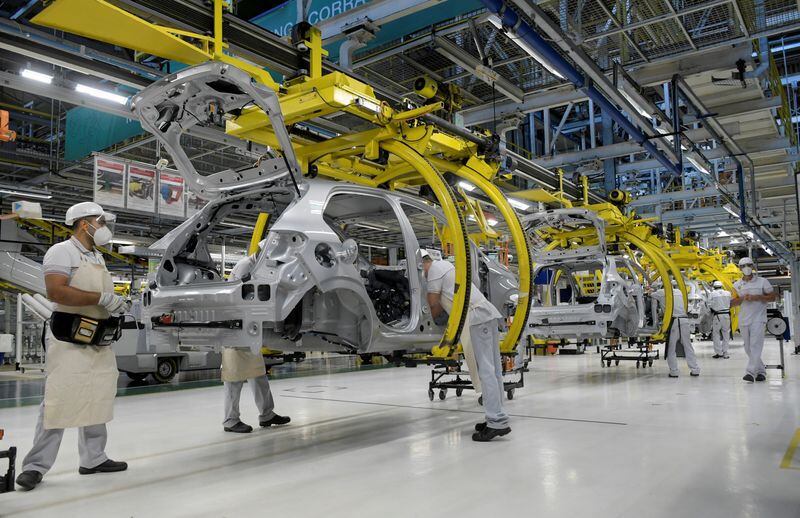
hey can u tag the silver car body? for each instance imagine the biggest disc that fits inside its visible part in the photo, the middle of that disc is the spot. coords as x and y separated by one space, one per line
616 309
309 290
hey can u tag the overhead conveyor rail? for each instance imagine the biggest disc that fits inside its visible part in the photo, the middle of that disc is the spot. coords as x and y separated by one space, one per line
419 152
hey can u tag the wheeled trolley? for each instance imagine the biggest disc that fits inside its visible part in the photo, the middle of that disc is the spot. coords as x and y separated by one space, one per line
450 375
644 354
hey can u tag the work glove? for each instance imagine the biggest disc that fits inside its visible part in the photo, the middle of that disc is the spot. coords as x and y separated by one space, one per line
115 304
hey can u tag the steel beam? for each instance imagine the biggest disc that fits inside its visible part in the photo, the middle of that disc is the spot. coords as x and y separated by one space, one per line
647 75
618 149
377 12
466 60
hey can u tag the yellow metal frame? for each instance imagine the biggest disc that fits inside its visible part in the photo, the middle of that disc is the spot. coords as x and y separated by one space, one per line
418 152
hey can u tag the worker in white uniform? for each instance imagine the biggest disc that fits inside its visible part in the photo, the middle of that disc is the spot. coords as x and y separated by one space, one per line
719 302
678 332
240 365
482 333
81 381
753 293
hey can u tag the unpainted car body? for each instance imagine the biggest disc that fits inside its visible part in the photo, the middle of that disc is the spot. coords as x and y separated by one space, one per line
309 289
616 309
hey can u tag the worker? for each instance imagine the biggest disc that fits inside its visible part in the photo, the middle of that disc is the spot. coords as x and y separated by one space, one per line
240 365
678 332
482 332
719 302
81 369
753 293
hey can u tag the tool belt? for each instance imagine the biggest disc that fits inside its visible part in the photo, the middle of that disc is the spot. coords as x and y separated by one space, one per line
79 329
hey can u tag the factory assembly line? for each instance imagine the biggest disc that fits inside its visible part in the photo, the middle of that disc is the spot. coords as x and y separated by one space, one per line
336 183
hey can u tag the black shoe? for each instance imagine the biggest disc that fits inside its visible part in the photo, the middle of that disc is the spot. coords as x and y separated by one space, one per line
487 434
761 377
480 426
748 377
28 480
726 357
276 421
239 427
109 466
717 356
673 375
695 374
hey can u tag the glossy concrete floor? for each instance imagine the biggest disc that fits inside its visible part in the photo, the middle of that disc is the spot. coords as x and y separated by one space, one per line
586 441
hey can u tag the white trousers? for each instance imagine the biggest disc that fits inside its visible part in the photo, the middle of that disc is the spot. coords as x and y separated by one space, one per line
486 344
721 333
753 336
261 393
91 446
680 332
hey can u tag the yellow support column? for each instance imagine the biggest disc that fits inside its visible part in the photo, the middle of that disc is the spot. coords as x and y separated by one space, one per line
258 233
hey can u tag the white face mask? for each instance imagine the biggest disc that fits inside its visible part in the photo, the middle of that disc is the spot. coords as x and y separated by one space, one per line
747 270
101 235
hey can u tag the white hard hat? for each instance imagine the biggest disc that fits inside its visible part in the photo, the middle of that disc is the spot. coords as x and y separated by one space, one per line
717 284
745 261
424 253
87 209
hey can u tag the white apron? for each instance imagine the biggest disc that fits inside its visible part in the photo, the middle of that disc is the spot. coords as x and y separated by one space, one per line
241 364
469 356
81 381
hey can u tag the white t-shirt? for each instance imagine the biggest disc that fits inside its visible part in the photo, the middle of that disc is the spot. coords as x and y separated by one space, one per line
65 258
720 300
677 301
442 279
753 311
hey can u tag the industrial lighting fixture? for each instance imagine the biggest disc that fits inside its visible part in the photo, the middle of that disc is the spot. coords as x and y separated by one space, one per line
735 241
729 209
101 94
36 76
372 227
722 233
373 246
638 107
122 242
670 138
25 193
466 186
524 45
696 164
519 205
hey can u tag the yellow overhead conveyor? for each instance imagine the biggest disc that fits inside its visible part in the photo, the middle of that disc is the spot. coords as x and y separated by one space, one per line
418 152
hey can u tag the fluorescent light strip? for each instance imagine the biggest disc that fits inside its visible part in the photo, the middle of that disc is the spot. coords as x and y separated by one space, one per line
101 94
466 186
697 165
36 76
730 210
27 194
524 45
638 107
519 205
371 227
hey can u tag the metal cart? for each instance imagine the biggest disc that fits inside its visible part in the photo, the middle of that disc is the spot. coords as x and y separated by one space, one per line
642 353
449 375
